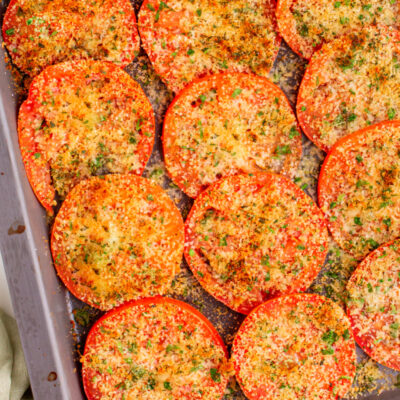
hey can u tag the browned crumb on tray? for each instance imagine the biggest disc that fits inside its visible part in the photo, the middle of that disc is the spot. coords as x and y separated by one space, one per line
155 90
333 278
369 378
287 72
233 392
156 171
308 170
186 287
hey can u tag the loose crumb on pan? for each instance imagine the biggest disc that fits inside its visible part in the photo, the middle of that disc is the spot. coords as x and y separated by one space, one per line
158 94
333 278
369 379
308 171
288 71
186 287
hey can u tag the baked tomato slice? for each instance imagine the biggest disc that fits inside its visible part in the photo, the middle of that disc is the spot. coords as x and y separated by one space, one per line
359 188
373 306
154 348
295 347
83 118
188 39
42 33
229 123
117 238
350 83
306 24
249 238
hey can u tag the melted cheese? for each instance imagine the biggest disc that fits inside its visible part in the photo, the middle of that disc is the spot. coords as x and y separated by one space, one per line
117 238
188 39
87 118
295 347
253 238
42 33
306 24
350 83
226 124
374 304
154 352
360 188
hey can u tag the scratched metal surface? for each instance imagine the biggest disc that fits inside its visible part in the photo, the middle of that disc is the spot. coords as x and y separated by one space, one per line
51 305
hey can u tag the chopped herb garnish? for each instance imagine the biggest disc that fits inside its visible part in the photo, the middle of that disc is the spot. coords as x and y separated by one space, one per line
215 375
236 92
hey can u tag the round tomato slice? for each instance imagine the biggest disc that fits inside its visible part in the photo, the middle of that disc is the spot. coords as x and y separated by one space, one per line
350 83
249 238
225 124
373 306
306 24
154 349
41 33
188 39
117 238
83 118
359 188
295 347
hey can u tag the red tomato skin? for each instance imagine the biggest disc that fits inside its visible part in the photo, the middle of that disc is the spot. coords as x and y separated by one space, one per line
146 301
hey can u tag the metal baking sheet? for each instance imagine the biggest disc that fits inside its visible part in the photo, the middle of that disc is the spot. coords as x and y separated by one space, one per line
52 323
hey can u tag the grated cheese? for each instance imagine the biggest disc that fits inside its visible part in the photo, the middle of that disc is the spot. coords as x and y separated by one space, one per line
42 33
295 347
359 189
252 238
307 24
154 351
351 83
84 118
189 39
226 124
374 304
117 238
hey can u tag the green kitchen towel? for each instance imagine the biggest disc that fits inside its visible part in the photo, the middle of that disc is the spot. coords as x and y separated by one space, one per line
14 379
